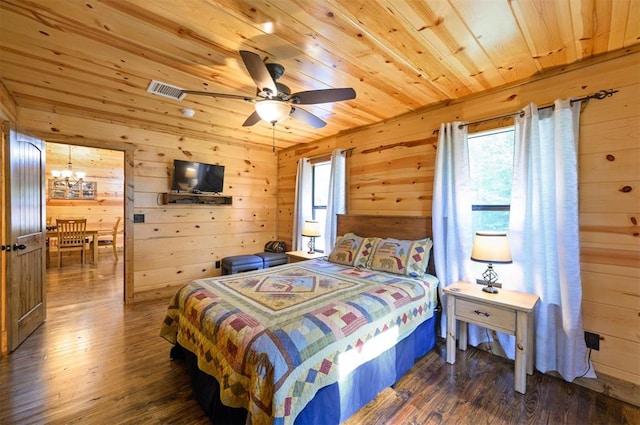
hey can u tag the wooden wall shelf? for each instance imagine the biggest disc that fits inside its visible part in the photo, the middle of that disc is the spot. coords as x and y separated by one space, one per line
195 198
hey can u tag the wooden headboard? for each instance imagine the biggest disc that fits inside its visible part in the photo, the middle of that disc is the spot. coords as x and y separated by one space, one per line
386 226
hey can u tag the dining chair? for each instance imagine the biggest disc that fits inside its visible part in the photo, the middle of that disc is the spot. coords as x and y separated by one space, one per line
71 237
109 238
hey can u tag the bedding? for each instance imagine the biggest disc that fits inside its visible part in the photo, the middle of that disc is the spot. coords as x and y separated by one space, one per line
407 257
274 339
353 250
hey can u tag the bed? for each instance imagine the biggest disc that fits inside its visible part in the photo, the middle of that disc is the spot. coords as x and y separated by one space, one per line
312 341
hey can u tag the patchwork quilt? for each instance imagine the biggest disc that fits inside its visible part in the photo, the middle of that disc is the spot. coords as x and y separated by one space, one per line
272 338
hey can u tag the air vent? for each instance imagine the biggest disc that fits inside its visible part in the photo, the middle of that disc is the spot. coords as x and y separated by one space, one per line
166 90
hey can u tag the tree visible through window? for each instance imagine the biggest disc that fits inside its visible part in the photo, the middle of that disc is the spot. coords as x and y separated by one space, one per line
491 171
319 199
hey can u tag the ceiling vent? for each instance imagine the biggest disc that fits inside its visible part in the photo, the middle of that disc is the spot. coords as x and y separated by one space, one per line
166 90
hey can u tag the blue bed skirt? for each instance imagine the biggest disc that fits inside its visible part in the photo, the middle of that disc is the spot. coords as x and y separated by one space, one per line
344 398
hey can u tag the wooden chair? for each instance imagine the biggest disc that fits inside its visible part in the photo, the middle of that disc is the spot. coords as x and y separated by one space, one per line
110 238
71 237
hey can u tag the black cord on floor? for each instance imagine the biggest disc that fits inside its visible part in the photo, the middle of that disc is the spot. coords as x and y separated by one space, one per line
588 365
489 340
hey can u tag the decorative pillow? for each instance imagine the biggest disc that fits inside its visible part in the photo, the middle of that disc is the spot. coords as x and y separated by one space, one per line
364 253
346 249
275 246
353 250
405 257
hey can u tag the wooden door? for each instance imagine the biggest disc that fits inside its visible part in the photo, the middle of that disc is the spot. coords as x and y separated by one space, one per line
24 232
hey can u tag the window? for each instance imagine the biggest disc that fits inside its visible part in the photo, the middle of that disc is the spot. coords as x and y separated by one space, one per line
320 184
491 171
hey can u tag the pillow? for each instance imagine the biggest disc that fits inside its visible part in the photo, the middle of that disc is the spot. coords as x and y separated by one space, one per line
364 253
405 257
352 250
275 246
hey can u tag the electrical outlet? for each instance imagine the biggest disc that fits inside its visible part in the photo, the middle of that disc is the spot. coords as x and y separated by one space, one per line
592 340
218 264
138 218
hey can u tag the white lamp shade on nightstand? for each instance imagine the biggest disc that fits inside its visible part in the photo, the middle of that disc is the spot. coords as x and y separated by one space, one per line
491 247
311 228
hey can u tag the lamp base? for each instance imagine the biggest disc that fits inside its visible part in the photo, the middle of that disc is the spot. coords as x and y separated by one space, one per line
312 245
490 289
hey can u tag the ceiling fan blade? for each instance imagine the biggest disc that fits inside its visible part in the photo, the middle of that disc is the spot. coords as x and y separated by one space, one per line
306 117
322 96
251 120
221 95
259 73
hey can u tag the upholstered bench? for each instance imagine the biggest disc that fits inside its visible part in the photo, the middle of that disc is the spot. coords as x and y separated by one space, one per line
274 254
241 263
270 259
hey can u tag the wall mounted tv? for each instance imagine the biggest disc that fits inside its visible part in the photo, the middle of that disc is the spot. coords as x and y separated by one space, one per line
197 177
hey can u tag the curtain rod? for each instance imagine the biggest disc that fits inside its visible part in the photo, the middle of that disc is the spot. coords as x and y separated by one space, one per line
327 156
600 94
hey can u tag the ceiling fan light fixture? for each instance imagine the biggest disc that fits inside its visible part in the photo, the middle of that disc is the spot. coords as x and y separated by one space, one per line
272 111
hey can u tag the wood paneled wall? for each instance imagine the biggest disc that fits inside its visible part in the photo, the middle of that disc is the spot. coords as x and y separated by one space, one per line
390 171
106 167
177 243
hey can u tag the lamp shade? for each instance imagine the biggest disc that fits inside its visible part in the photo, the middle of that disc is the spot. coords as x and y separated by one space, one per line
311 228
272 111
491 247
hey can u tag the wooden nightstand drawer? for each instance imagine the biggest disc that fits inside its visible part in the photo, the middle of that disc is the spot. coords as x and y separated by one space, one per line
494 317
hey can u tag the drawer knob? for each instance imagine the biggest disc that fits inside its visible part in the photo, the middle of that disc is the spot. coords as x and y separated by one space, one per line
481 313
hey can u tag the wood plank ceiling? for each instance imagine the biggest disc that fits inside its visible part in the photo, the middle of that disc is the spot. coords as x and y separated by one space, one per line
95 58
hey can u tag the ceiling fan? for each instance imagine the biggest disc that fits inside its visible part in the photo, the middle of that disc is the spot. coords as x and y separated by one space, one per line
273 100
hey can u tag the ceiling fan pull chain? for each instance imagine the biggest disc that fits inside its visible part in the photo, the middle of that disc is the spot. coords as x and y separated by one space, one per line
273 136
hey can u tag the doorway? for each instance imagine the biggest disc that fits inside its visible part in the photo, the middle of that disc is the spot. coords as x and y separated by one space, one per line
95 191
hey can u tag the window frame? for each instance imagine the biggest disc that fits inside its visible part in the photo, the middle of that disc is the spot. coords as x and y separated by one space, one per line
324 161
476 207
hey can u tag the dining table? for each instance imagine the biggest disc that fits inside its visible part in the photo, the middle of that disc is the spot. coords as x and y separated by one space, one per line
53 234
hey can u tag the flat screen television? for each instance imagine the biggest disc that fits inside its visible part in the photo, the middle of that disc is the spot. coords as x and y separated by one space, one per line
197 177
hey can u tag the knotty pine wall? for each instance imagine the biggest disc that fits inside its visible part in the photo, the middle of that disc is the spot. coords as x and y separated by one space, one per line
106 168
176 243
391 168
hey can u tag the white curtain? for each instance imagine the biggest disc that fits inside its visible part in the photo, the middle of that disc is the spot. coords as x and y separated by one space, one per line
302 205
451 209
336 202
544 235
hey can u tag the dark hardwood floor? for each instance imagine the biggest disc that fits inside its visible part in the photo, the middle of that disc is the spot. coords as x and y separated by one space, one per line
97 361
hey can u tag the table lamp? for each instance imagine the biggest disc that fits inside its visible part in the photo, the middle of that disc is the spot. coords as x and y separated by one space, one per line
491 247
311 229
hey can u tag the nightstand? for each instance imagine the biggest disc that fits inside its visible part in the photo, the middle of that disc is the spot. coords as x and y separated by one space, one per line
295 256
507 311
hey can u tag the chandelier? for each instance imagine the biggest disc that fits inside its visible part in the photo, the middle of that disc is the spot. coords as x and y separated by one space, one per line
68 176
